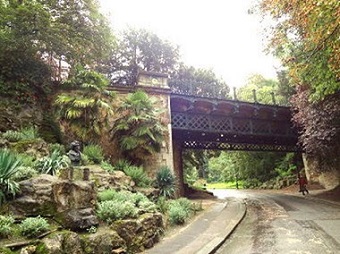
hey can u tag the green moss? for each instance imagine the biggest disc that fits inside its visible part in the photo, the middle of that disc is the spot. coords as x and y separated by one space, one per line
41 249
4 250
23 145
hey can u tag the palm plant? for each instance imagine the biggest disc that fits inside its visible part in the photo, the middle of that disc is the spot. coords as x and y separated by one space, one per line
51 164
86 108
138 129
9 165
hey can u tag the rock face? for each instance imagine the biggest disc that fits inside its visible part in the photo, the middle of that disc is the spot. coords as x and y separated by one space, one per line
142 233
70 203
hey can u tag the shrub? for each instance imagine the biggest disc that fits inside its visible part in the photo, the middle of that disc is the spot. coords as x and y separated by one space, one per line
6 223
166 182
180 210
12 136
9 165
106 195
162 205
51 164
138 176
32 227
24 173
111 210
27 160
29 133
94 153
57 147
107 166
121 165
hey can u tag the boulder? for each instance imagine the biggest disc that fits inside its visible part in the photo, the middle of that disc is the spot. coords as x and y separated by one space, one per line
141 233
105 241
78 219
62 242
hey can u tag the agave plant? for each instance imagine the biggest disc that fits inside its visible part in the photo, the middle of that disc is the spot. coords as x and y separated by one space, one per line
166 182
51 164
9 165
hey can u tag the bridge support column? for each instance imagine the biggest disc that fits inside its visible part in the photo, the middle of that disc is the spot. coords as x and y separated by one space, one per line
178 166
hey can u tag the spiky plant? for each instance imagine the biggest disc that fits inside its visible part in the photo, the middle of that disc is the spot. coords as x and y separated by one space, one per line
138 129
51 164
166 182
86 108
94 153
9 165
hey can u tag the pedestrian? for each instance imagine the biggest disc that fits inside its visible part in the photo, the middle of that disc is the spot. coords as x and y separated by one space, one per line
302 180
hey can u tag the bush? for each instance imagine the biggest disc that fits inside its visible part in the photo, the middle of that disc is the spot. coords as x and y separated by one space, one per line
166 182
180 210
162 205
27 160
24 173
121 165
94 153
6 223
111 210
107 166
138 176
51 164
9 165
106 195
57 147
32 227
12 136
139 202
28 133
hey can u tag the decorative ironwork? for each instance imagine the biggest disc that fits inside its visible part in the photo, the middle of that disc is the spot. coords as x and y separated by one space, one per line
201 123
238 146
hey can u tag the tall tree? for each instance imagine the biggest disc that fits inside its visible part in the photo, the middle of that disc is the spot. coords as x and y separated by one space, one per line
139 49
306 36
198 81
35 34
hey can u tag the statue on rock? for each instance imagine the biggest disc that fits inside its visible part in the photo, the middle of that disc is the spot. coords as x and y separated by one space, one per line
74 154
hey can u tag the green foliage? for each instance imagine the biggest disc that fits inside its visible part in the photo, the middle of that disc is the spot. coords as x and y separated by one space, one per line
51 164
28 133
107 166
12 136
56 147
9 165
166 182
306 38
24 173
286 167
139 49
134 203
34 226
94 153
121 165
138 129
112 210
138 175
198 81
49 130
180 210
162 204
6 226
106 195
92 230
264 88
27 160
87 107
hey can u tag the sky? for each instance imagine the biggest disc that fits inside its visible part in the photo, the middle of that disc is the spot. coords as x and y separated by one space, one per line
213 34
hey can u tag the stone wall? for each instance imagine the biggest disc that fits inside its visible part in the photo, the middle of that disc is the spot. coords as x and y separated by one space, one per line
329 178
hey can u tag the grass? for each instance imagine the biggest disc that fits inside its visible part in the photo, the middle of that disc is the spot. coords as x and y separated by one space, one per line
225 185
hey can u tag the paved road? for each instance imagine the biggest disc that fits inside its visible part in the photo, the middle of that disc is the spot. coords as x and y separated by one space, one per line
287 224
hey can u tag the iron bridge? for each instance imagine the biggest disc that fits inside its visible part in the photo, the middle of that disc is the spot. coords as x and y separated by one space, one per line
211 123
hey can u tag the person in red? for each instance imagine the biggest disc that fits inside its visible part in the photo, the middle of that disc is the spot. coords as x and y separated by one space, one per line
302 180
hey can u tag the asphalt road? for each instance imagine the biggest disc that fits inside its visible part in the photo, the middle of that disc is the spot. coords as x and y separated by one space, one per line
287 224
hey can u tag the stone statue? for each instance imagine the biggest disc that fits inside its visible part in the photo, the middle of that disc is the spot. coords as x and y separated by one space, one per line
74 154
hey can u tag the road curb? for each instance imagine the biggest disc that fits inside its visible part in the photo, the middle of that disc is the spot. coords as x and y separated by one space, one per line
214 245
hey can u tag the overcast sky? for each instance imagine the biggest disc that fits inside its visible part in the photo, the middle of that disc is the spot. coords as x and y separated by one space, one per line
217 34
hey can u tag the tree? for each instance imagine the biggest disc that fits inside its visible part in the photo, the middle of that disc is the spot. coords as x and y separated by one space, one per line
139 49
35 34
138 128
263 88
86 106
197 81
306 37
